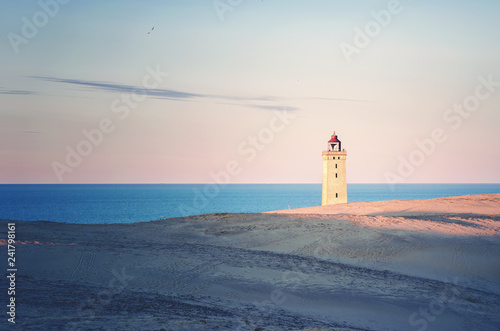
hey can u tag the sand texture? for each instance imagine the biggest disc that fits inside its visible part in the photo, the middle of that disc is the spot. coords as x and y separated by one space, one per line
395 265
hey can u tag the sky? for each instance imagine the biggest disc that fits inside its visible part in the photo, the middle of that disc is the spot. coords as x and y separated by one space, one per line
248 91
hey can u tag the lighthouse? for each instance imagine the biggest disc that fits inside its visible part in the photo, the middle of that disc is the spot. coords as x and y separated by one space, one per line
334 178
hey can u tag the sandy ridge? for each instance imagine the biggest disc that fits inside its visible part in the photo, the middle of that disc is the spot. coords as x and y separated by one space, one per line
321 268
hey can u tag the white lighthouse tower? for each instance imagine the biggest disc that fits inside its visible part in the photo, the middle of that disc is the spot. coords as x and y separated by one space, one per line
334 173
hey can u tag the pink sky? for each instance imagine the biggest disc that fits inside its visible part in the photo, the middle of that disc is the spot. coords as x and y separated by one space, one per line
230 83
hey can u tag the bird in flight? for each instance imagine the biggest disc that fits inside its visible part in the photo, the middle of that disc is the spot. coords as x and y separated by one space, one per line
151 30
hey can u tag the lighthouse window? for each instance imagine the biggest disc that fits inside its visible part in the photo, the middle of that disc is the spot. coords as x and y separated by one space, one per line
335 175
335 165
336 195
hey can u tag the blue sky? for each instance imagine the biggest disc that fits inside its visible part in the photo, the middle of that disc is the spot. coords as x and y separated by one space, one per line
226 80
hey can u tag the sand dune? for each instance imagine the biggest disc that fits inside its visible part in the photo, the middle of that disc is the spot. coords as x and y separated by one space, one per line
452 215
480 204
398 265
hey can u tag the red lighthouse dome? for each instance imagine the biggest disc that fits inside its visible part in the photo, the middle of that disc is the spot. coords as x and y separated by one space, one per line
334 139
334 144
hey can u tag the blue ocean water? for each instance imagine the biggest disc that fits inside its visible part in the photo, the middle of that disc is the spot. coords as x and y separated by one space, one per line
126 203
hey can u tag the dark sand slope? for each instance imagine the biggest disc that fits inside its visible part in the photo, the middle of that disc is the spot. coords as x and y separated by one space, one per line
399 265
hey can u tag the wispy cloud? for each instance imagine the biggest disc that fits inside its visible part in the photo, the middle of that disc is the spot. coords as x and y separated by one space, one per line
155 93
15 92
265 107
123 88
170 94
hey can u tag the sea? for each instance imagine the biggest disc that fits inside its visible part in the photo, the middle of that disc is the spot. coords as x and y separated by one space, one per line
127 203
